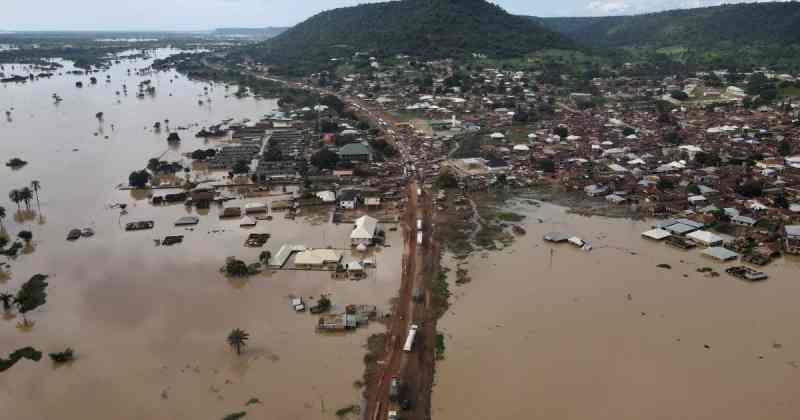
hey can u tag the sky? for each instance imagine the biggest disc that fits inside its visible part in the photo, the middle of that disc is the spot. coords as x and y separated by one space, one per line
16 15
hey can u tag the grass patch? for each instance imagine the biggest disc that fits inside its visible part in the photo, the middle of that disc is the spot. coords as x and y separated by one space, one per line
508 216
346 411
462 276
664 266
440 293
439 346
235 416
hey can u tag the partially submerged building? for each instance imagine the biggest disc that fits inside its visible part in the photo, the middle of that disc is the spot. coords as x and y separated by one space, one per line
364 231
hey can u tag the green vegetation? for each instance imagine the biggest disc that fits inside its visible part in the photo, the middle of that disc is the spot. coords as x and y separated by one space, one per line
65 356
31 295
235 268
139 179
728 36
439 346
446 180
237 339
510 216
240 167
325 159
346 411
424 28
16 163
25 235
24 353
235 416
440 293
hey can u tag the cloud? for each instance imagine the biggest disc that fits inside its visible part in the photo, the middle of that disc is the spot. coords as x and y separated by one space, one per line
609 7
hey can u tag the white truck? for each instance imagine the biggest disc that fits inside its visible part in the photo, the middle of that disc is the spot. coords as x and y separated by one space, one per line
412 332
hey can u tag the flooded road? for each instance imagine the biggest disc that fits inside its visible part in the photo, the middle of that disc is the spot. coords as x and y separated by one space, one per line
148 323
607 335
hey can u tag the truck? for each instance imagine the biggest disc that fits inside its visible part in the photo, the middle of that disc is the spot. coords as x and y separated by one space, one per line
394 389
392 415
419 238
412 332
417 294
419 224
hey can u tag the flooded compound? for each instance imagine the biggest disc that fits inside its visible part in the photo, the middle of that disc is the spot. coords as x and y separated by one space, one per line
552 331
149 323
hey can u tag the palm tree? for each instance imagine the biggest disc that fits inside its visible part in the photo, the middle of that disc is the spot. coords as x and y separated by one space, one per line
15 196
238 339
36 185
26 195
6 298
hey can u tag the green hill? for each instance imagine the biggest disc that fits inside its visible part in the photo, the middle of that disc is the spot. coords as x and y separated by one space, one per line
738 34
423 28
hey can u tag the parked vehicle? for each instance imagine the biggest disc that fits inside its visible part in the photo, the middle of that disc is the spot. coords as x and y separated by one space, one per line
409 344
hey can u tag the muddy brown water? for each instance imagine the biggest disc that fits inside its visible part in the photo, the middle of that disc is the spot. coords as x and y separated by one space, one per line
149 323
557 338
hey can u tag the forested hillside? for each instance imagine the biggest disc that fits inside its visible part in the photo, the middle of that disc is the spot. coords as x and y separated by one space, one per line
423 28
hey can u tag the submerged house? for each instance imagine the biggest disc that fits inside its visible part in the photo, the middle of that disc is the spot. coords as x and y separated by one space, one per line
317 259
364 231
793 239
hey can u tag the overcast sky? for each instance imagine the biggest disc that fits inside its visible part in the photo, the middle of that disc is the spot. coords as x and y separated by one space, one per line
209 14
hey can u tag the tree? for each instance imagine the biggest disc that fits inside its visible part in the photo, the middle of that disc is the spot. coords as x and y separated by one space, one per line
238 339
679 95
665 184
31 295
264 257
781 202
446 180
235 268
325 159
139 179
6 299
15 196
627 131
561 131
240 167
521 116
547 165
25 235
65 356
693 189
27 195
324 303
29 353
750 189
153 164
36 186
785 148
2 217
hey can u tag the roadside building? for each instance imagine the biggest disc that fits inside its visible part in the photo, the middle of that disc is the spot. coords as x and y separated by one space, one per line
355 152
364 231
744 221
793 239
704 238
656 234
720 253
317 259
348 199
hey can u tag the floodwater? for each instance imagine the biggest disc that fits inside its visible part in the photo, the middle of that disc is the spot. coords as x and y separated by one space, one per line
607 335
148 323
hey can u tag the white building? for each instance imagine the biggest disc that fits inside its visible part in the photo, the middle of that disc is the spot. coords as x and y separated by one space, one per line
364 232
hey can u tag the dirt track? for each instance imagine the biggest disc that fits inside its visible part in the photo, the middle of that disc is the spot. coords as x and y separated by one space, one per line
414 368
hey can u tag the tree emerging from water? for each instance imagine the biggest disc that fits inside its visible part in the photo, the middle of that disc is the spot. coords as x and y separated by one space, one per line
237 339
